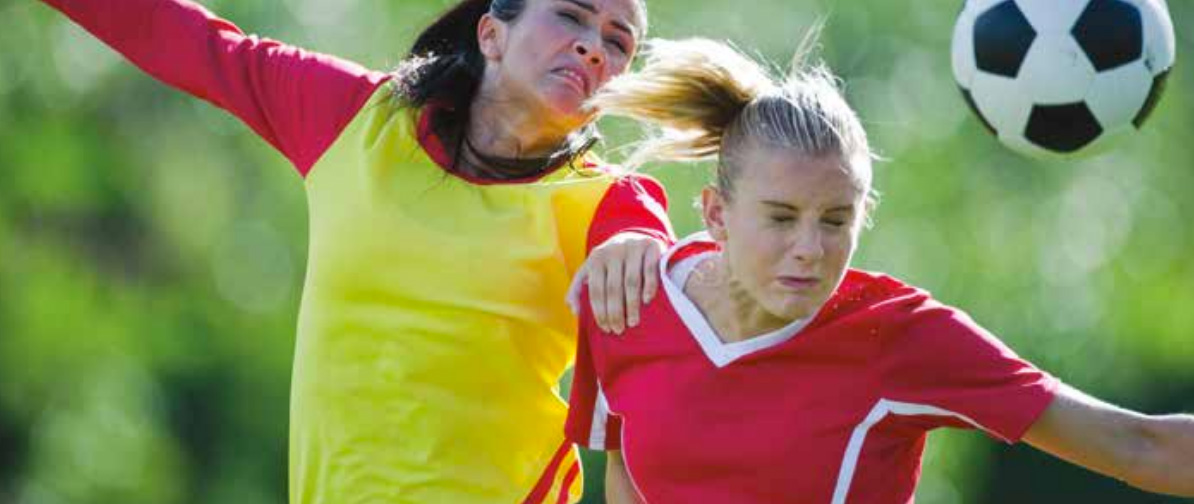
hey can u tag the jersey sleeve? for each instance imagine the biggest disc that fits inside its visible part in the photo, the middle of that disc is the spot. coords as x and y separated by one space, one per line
635 203
296 100
945 369
590 423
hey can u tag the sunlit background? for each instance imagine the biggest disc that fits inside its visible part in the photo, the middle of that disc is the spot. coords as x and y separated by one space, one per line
152 248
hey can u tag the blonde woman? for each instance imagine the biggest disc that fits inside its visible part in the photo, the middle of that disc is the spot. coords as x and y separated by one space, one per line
771 372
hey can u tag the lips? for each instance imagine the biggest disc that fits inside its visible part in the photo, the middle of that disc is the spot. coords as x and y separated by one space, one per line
577 77
799 282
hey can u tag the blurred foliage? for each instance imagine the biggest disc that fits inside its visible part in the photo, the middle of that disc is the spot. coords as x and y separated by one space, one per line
152 249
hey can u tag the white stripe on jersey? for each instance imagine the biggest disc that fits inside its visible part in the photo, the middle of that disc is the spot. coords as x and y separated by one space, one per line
600 419
883 408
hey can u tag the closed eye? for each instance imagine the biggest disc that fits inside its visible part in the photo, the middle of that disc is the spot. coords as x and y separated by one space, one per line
569 16
618 44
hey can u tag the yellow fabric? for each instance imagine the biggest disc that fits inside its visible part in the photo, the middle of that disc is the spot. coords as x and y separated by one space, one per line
433 327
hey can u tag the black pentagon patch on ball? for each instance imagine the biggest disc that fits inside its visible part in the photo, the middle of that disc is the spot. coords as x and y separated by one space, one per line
1154 95
1002 36
1062 128
974 108
1110 33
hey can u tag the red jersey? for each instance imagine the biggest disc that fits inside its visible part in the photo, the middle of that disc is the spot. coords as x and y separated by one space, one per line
834 409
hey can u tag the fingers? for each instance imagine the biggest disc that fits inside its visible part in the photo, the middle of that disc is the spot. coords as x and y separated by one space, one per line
597 295
633 284
574 289
615 296
622 276
650 269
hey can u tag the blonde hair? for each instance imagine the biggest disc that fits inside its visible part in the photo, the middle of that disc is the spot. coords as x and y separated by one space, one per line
708 99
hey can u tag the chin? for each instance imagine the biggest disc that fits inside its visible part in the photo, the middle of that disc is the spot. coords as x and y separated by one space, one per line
567 107
793 309
789 312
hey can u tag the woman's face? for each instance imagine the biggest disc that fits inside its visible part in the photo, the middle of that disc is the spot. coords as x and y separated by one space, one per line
556 53
789 228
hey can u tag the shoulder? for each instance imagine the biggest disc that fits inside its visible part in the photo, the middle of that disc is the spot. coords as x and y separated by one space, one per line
911 322
864 293
385 117
896 309
592 166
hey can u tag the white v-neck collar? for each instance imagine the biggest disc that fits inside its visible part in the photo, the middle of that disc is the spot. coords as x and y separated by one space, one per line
716 350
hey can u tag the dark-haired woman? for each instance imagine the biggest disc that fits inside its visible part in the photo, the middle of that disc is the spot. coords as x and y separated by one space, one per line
451 202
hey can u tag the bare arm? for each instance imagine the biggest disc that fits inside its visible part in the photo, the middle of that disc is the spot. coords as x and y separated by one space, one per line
618 487
1154 453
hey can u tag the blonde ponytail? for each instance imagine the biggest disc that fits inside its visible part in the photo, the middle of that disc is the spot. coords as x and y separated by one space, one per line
708 99
693 90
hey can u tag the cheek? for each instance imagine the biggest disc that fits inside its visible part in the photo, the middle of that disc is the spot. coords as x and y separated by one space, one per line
761 252
616 66
838 250
536 43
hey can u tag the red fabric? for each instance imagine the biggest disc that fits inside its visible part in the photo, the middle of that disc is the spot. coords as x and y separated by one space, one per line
774 424
543 487
296 100
635 203
566 485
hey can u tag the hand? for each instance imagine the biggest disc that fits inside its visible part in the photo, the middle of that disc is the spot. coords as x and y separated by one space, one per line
622 275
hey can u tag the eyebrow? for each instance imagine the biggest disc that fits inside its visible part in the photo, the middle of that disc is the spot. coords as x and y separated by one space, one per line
785 206
593 10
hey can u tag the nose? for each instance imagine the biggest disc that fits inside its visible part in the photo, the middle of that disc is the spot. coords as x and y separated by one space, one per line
807 245
589 51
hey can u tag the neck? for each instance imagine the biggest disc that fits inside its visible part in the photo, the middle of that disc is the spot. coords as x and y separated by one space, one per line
729 308
503 127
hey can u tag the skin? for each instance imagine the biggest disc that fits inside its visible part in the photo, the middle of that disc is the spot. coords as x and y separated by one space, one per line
618 487
813 231
788 236
542 66
1150 452
540 70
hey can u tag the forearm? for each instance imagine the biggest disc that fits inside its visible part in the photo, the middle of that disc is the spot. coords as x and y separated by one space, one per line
618 487
1154 453
1167 457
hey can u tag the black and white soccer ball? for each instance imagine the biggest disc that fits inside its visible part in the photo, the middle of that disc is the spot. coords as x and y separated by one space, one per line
1062 76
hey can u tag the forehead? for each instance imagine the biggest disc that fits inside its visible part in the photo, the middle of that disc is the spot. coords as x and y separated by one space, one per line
786 175
630 12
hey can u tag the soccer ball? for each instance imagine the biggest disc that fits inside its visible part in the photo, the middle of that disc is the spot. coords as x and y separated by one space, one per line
1062 76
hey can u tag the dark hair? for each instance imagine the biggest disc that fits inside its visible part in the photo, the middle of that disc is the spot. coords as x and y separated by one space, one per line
445 66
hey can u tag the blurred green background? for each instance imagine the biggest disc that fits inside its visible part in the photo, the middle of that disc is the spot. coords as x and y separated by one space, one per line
152 248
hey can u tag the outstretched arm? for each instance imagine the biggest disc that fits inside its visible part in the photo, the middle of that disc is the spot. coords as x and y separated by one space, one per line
296 100
1154 453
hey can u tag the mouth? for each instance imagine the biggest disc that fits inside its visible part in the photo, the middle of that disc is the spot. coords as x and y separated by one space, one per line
799 283
576 78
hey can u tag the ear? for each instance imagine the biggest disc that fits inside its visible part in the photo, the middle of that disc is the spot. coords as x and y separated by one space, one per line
491 37
713 210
